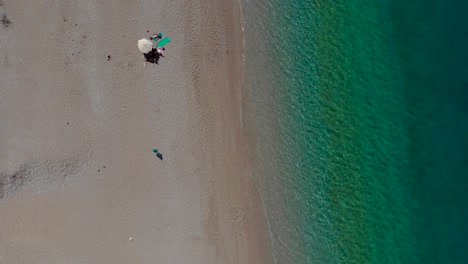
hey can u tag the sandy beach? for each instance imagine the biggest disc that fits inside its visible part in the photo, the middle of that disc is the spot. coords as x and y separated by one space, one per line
78 180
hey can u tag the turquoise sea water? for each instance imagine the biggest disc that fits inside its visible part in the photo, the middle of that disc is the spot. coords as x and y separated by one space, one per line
360 135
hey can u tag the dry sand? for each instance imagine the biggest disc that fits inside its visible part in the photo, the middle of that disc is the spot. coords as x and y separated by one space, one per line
78 180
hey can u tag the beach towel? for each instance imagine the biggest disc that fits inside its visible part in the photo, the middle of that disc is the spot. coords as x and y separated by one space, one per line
163 42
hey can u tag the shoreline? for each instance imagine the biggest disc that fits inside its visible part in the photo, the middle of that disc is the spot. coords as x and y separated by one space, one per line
239 187
78 178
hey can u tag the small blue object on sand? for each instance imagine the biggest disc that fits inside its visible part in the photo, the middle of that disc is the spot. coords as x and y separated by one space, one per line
155 150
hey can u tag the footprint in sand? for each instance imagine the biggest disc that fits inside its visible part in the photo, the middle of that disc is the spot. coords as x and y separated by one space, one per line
5 21
238 214
38 175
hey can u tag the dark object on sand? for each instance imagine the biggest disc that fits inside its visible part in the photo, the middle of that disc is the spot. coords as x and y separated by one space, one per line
158 154
109 57
152 56
5 21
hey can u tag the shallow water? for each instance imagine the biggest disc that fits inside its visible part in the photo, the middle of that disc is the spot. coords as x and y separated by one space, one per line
360 124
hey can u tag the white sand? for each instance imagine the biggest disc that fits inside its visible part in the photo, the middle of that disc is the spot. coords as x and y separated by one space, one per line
78 180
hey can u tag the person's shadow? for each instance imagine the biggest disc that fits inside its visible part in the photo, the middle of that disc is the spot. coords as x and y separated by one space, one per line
159 155
152 56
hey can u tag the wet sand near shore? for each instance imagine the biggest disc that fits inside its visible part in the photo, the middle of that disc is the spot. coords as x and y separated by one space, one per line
79 182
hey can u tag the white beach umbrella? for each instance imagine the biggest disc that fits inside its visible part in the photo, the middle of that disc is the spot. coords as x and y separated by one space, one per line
145 45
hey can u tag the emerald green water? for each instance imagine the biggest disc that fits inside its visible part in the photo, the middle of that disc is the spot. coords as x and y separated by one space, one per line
360 128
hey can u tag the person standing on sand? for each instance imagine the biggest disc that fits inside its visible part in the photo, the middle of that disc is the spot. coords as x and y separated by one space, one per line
158 154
